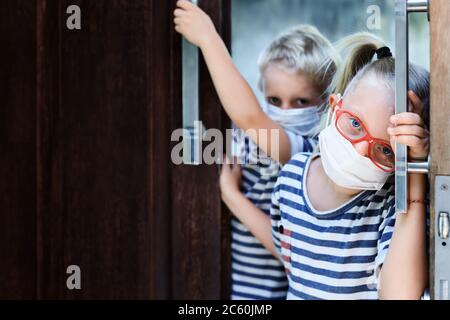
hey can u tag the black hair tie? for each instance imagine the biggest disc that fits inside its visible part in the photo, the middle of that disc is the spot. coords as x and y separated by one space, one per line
383 52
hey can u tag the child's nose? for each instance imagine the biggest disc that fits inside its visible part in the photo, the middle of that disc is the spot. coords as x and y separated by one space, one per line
285 105
362 148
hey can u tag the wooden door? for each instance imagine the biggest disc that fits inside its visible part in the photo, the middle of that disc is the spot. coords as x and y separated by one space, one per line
85 124
440 137
18 180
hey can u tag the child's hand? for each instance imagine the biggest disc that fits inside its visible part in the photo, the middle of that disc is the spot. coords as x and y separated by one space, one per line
194 24
230 178
409 129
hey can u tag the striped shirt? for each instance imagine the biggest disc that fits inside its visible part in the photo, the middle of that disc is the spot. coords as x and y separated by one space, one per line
335 254
256 274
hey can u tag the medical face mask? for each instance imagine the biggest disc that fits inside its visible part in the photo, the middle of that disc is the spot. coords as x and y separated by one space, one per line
345 166
302 121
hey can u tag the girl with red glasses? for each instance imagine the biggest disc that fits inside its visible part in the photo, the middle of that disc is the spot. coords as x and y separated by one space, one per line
332 219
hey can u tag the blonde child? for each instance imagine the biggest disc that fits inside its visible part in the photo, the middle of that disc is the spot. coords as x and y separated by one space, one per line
333 218
293 78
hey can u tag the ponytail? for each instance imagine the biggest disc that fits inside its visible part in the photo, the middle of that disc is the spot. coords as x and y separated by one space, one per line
357 51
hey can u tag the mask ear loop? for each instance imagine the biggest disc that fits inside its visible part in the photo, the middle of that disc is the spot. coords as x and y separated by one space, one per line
328 121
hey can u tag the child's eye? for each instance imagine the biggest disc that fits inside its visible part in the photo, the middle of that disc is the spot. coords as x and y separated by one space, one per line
274 101
387 151
355 124
384 151
301 103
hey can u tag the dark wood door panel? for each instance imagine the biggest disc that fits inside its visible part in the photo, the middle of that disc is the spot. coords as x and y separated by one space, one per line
17 149
100 168
85 123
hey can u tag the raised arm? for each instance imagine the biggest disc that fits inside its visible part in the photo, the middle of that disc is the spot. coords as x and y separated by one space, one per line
234 92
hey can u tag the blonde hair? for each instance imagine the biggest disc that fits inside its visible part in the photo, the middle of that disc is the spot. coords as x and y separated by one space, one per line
303 50
359 50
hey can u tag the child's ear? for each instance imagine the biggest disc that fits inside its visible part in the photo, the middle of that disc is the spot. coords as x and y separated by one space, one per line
333 101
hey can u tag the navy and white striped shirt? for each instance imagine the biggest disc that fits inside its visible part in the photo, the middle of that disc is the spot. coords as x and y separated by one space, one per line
335 254
256 274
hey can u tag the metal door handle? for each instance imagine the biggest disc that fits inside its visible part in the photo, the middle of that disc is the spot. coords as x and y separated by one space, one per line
192 127
402 167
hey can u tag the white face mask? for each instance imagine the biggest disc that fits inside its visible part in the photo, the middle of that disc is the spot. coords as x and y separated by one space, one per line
299 121
345 166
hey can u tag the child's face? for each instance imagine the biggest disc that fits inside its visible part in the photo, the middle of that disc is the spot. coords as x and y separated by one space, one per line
288 90
373 103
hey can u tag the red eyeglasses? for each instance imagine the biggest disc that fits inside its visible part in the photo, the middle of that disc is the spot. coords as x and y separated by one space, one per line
354 130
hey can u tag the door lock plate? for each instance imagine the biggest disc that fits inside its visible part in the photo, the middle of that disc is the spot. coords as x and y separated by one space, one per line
441 238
